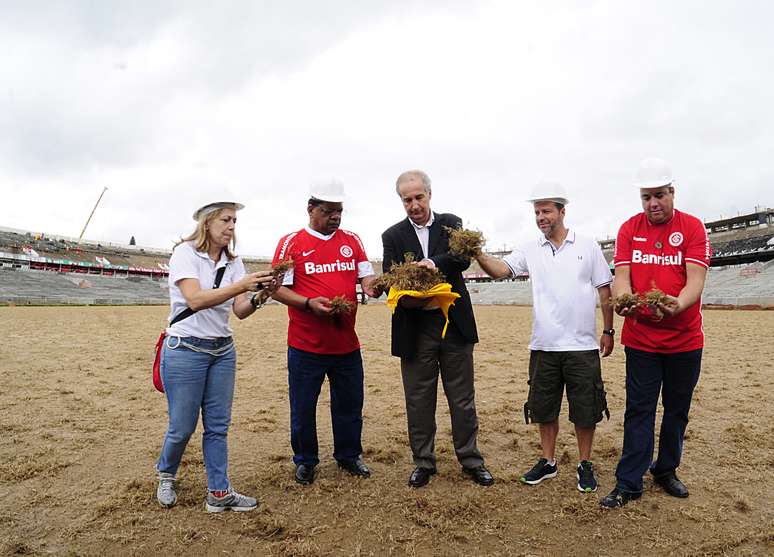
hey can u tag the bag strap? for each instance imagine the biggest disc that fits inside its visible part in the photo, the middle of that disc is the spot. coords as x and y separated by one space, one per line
188 312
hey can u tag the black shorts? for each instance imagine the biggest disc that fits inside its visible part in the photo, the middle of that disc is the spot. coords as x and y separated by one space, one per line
549 372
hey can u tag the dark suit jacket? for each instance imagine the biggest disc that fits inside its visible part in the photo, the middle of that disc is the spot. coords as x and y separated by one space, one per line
401 238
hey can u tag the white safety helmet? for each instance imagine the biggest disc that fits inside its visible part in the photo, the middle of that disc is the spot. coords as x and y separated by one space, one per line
653 173
548 191
210 207
329 190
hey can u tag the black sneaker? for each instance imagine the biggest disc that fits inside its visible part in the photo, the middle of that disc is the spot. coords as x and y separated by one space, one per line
618 498
304 474
587 483
541 471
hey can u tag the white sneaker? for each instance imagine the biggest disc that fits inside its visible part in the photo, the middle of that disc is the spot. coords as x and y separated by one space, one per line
231 501
165 493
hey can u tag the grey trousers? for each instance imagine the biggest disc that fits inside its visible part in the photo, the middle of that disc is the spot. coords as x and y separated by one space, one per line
452 358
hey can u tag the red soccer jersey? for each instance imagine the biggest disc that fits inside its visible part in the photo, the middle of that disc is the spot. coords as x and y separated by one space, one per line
323 267
656 255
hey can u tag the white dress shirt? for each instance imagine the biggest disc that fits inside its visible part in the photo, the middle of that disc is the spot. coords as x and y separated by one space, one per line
423 234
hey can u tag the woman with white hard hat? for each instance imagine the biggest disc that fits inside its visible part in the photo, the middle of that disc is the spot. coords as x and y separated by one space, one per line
198 360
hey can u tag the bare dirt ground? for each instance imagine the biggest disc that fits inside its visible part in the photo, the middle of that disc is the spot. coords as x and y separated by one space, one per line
81 426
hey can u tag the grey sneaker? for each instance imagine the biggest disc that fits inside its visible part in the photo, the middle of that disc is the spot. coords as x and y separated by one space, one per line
165 493
231 501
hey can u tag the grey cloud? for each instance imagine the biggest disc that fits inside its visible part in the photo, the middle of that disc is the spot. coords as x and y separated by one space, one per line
99 106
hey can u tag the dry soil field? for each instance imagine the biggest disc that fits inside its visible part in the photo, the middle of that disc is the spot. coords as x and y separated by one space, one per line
80 428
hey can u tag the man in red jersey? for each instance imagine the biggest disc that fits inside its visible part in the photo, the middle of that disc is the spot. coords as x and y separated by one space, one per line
665 249
327 262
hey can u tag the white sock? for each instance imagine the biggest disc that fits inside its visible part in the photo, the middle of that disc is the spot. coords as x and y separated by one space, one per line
552 462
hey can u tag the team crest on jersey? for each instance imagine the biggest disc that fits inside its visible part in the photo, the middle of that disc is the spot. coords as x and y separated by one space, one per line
675 239
345 251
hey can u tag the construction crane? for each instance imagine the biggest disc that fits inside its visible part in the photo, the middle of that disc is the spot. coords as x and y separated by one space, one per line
91 215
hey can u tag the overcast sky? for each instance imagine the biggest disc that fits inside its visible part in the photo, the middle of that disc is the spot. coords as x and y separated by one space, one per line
174 104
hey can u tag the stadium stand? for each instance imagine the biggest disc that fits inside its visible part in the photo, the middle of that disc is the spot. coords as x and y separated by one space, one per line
517 293
61 253
755 245
36 268
24 286
750 284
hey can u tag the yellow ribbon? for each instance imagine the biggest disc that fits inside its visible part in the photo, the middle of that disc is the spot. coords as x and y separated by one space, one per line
441 293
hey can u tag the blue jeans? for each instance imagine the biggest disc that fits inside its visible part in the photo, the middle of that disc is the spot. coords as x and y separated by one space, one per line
306 373
647 373
192 381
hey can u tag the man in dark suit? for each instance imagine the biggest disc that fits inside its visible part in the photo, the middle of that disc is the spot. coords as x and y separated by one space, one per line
416 335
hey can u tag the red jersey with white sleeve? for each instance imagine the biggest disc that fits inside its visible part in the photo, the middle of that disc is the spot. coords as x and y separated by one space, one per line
656 255
327 266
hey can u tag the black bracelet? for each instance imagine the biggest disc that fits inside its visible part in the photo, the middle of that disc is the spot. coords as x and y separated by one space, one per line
306 305
610 332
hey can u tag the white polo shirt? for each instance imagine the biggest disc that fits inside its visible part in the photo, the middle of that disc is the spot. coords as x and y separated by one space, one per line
185 263
564 290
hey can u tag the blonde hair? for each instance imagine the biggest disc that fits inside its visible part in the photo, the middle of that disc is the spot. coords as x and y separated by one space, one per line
200 238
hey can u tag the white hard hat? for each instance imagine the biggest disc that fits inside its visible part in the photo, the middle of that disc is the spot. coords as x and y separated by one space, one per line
210 207
653 173
548 191
329 190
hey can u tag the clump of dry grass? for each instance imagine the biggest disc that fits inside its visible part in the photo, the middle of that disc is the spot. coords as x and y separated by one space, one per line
381 283
277 269
266 525
652 299
281 266
465 243
649 300
17 548
741 504
579 512
19 468
655 297
387 456
340 305
408 276
626 301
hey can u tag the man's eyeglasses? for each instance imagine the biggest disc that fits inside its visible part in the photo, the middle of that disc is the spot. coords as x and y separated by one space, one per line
329 212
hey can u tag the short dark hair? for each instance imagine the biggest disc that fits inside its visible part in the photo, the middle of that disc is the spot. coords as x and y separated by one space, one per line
559 206
314 202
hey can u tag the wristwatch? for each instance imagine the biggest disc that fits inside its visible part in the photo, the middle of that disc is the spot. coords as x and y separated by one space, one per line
610 332
255 301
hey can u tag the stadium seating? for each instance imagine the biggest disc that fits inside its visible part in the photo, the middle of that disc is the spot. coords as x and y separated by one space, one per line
85 252
743 245
25 286
740 285
508 293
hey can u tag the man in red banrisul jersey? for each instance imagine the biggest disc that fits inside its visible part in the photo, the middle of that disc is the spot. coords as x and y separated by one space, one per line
668 250
327 262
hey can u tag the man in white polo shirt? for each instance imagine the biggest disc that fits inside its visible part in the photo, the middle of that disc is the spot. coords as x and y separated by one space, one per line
568 274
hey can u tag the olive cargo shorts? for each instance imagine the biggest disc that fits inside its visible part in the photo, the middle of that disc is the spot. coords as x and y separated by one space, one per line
549 372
